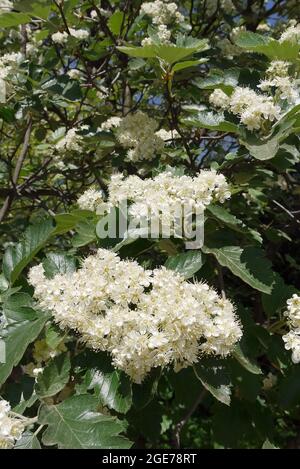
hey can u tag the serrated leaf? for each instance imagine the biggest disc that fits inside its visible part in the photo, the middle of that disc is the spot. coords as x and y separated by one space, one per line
54 376
214 376
28 441
185 263
268 46
249 264
212 121
188 63
168 53
17 257
268 445
246 363
58 263
111 386
22 326
76 424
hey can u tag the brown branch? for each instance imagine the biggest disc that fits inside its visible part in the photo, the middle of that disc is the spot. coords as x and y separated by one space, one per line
179 426
9 199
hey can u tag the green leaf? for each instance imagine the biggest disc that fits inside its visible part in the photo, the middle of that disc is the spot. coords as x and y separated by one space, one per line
7 20
268 445
169 54
279 295
115 22
212 121
28 441
214 376
268 46
58 263
263 150
187 64
246 363
17 257
111 386
76 424
22 326
249 264
185 263
54 376
85 233
67 221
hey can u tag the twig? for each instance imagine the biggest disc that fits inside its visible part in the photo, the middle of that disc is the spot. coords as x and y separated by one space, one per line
8 201
179 426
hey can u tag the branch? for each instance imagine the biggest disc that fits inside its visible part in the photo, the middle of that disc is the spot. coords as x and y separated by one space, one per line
9 199
186 417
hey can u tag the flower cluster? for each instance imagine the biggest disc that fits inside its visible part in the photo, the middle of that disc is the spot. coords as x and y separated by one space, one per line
277 76
11 427
62 37
162 12
90 200
292 338
252 108
111 123
137 132
70 142
5 6
167 192
292 33
8 66
143 318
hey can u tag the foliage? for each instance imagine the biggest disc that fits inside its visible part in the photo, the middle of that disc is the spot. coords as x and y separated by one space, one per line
81 64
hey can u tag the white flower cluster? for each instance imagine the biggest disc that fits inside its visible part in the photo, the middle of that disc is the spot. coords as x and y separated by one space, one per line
74 74
278 77
137 132
162 12
252 108
164 195
163 34
111 123
292 338
8 67
62 37
90 200
292 34
143 318
11 427
70 142
6 5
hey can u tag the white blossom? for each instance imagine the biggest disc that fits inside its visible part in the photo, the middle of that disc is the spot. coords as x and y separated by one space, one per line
79 33
111 123
162 12
292 33
168 201
292 338
143 318
11 427
60 38
219 99
252 108
70 142
137 132
74 73
90 200
5 6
